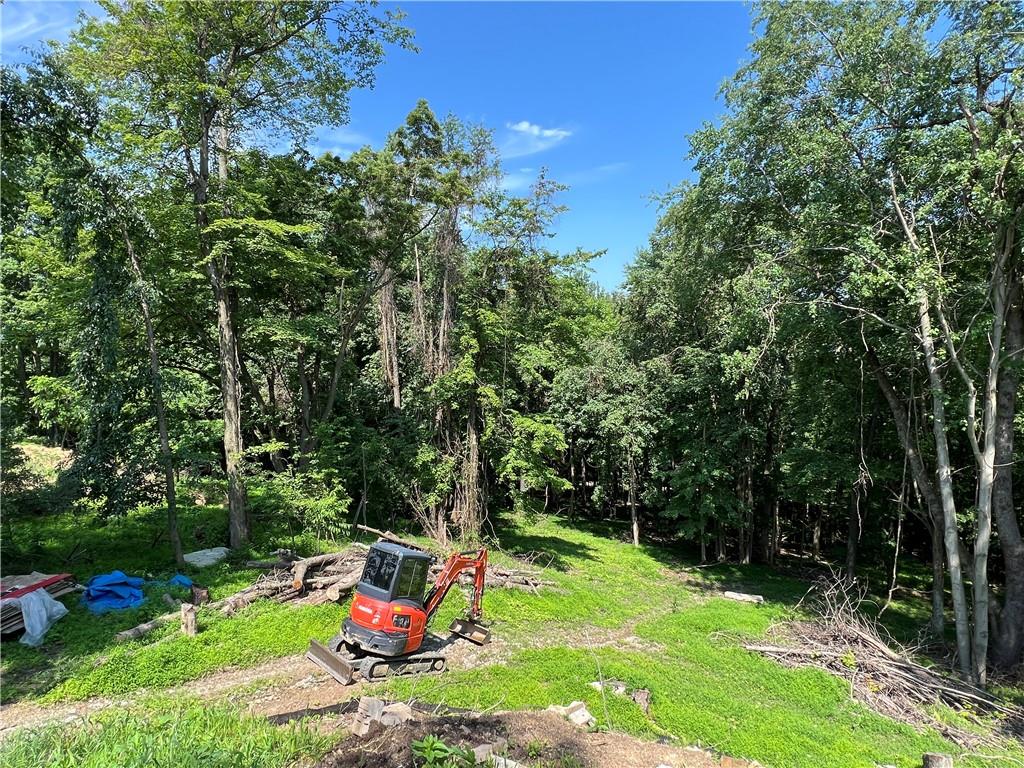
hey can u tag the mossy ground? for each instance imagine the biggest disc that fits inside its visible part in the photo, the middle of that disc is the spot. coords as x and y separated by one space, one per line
635 614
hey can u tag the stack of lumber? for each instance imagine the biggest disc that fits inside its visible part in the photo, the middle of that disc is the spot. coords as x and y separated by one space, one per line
16 586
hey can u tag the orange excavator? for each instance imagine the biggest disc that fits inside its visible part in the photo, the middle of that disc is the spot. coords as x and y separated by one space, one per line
386 630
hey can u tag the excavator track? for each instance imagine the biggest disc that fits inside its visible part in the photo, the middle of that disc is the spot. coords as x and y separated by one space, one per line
377 667
347 665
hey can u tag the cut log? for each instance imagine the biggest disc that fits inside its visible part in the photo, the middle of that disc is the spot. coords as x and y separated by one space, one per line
173 603
935 760
141 629
188 619
301 567
320 579
268 565
389 536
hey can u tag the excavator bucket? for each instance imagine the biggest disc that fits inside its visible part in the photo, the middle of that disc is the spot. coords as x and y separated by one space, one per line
330 662
471 630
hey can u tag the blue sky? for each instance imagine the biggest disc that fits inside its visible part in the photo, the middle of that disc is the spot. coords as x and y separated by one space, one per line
603 95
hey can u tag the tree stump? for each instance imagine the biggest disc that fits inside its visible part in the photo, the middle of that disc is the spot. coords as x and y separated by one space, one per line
188 619
935 760
200 595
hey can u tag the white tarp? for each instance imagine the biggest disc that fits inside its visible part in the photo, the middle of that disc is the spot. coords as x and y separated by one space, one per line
205 557
39 611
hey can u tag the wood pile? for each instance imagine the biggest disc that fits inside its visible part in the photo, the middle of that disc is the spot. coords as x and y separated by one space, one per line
881 674
322 579
16 586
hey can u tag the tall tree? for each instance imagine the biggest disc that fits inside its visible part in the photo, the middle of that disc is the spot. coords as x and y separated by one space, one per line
192 80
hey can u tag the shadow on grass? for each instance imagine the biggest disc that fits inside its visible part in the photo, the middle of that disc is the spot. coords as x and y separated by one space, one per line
86 545
545 551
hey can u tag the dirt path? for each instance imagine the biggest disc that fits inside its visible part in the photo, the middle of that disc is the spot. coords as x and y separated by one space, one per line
290 687
232 684
291 683
275 687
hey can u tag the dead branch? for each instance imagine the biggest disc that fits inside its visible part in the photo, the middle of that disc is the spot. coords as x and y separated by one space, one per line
882 674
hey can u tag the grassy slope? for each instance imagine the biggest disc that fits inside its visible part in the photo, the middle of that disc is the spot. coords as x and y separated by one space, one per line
617 612
80 657
705 688
184 734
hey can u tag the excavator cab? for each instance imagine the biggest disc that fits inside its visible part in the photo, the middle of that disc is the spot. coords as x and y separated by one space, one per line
387 623
387 616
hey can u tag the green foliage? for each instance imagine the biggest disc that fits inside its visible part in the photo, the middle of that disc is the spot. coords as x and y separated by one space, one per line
261 632
307 501
185 733
436 754
81 658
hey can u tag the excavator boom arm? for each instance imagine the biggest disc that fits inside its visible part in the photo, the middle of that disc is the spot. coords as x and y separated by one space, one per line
475 560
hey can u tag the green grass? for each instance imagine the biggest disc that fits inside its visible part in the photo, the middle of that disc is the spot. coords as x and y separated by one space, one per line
706 689
615 611
185 734
80 657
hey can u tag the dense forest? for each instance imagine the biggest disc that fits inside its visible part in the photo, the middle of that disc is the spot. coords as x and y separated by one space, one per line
819 351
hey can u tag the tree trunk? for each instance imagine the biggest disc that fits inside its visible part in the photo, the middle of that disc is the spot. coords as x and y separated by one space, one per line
1008 641
304 408
389 333
217 270
424 335
925 486
852 534
158 402
951 535
572 484
937 625
633 520
776 542
238 521
816 533
470 520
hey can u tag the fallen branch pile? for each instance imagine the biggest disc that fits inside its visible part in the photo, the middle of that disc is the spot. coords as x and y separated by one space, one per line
847 644
321 579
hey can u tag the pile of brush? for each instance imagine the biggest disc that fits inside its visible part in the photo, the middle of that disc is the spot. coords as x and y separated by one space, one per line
882 674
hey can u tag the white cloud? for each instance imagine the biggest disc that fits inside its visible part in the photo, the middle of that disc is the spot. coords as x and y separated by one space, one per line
341 141
591 175
27 23
526 138
517 182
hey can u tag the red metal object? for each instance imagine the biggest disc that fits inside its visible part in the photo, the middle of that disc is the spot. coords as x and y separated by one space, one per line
42 584
457 563
381 615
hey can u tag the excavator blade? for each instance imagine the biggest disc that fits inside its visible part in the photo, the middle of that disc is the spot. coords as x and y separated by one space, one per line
471 630
330 662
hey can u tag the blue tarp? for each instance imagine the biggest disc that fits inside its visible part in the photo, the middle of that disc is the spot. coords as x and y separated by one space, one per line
178 580
113 591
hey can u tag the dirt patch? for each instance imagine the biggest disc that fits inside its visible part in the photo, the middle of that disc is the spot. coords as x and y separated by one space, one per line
233 684
533 738
284 685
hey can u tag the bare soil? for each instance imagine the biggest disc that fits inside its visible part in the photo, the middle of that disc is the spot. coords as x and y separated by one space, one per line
533 738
